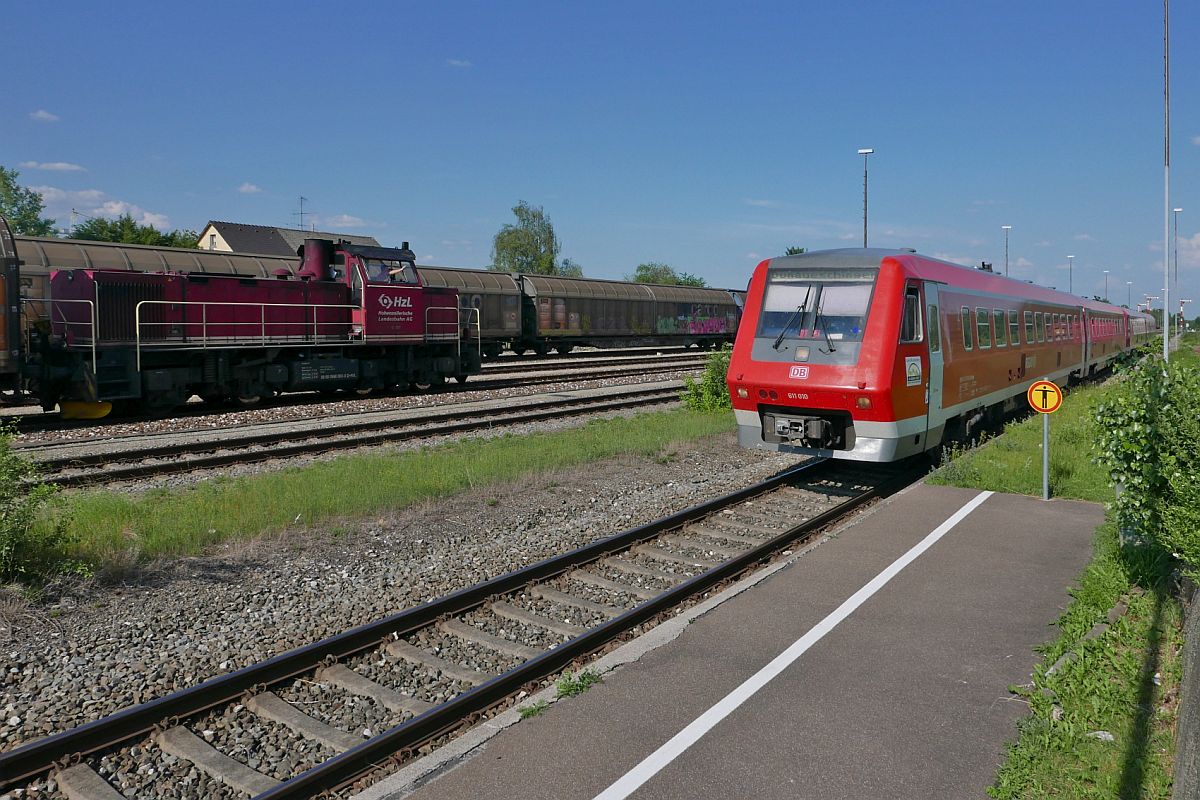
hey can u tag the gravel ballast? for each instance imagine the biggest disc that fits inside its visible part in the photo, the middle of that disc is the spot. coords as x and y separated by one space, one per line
107 647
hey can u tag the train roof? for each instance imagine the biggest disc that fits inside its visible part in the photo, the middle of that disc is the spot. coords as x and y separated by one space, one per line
941 271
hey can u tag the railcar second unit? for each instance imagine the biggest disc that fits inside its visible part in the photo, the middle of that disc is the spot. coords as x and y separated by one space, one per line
877 355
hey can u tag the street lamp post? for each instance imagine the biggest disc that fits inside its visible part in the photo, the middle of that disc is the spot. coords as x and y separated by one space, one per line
1106 286
1006 228
864 152
1071 274
1128 291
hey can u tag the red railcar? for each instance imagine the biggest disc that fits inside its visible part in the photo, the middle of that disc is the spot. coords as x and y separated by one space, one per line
876 355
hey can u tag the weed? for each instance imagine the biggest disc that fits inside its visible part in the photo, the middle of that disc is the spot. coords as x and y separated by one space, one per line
534 709
570 684
493 502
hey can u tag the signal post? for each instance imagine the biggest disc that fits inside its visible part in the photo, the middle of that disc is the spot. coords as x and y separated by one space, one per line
1045 398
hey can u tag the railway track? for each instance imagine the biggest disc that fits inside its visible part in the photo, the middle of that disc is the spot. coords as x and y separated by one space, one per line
482 645
81 468
524 374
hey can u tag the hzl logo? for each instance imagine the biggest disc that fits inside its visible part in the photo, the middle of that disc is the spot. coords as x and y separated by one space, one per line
392 301
798 372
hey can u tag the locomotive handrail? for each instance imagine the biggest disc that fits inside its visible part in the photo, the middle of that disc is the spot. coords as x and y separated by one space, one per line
261 324
458 326
92 322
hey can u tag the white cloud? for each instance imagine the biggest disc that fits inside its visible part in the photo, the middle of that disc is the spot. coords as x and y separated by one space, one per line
42 115
1083 237
1196 140
249 188
456 243
52 166
759 203
754 256
95 203
459 62
343 221
1043 243
1189 251
1022 262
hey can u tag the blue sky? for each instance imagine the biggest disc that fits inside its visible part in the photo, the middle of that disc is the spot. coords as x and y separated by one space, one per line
703 135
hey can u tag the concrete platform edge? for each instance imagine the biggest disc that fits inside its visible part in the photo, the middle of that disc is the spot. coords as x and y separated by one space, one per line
412 777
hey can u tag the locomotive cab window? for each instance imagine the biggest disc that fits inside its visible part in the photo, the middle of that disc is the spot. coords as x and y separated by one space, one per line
910 326
966 326
983 327
998 324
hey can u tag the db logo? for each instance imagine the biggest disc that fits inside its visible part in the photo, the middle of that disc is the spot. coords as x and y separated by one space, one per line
391 301
799 373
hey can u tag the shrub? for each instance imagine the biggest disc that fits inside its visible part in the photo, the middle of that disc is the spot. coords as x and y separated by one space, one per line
710 393
27 551
1149 439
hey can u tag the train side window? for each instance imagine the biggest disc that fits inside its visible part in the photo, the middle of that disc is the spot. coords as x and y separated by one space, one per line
356 285
1039 323
1057 322
983 328
1028 327
910 326
998 324
966 326
1014 328
935 333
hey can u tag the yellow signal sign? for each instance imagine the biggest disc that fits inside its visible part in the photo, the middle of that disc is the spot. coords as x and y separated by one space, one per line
1044 397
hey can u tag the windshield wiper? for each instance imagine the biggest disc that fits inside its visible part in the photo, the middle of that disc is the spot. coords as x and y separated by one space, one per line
800 309
820 320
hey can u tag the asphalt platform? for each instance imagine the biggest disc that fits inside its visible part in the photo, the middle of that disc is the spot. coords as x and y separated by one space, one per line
889 671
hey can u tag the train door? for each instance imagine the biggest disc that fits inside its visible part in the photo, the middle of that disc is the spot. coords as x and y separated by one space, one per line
935 419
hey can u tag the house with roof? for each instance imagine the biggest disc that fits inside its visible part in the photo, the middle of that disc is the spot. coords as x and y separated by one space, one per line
237 237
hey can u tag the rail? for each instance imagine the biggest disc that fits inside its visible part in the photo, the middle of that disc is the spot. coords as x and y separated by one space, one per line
56 316
262 324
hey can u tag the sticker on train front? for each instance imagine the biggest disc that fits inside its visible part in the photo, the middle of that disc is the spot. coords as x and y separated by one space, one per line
799 373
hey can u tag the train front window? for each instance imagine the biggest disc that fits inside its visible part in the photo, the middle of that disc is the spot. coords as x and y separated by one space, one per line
381 270
816 304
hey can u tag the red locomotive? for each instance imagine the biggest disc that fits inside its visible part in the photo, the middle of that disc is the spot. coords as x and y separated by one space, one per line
352 317
877 355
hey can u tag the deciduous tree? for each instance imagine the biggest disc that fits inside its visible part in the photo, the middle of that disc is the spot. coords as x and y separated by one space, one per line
126 230
22 207
795 251
657 272
528 246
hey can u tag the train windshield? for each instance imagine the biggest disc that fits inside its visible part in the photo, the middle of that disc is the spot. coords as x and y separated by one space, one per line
387 271
816 304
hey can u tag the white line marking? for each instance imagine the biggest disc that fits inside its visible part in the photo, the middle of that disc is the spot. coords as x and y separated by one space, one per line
628 783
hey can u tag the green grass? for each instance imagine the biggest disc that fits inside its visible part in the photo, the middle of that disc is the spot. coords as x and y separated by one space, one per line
1012 462
105 527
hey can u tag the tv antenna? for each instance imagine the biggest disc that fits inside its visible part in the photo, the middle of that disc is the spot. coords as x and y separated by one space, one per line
301 213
